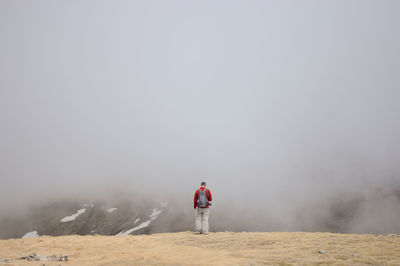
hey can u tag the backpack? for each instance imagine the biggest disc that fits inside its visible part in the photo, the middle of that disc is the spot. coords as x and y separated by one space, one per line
202 200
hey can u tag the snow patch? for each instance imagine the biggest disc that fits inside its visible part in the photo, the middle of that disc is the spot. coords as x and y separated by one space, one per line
111 209
154 214
31 234
152 217
140 226
73 216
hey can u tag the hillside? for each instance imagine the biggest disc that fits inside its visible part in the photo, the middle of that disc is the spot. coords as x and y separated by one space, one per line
374 212
72 217
221 248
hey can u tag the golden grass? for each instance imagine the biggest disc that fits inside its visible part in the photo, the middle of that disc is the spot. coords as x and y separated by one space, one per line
222 248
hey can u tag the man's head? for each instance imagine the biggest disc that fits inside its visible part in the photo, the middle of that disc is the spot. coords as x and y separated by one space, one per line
203 184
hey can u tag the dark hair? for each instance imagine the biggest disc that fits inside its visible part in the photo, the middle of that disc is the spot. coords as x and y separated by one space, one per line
203 183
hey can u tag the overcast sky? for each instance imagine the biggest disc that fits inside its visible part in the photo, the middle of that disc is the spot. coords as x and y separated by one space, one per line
261 97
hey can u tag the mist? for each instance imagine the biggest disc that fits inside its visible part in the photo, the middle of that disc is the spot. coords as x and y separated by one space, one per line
288 110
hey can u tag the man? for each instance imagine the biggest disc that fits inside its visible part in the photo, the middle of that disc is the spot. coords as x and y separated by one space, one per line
202 199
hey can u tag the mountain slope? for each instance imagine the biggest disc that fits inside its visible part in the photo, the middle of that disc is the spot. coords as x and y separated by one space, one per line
69 217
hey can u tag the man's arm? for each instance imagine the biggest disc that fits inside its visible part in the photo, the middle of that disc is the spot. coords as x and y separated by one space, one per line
209 195
196 195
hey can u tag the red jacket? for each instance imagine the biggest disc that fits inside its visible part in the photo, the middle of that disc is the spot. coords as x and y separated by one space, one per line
208 194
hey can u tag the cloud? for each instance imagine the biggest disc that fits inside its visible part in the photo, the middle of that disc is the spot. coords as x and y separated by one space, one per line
276 106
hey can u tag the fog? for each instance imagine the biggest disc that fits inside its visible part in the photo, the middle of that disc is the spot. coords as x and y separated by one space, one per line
283 107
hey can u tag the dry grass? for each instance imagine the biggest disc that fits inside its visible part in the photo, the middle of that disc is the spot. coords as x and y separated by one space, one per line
223 248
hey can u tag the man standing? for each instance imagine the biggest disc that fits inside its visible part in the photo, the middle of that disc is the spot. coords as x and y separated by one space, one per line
202 199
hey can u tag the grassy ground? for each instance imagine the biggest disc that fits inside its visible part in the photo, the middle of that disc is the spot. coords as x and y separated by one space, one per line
222 248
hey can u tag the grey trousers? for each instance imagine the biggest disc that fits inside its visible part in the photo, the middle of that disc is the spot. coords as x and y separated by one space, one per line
201 219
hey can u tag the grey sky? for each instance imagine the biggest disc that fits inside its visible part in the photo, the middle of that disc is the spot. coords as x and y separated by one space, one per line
270 97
